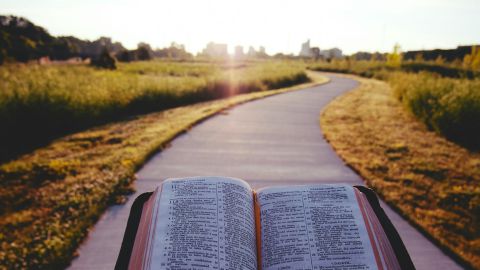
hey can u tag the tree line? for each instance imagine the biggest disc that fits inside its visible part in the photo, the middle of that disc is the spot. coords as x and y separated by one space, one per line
23 41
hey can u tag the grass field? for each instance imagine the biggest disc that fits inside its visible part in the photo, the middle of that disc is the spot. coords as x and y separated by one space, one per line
50 197
445 98
50 101
432 182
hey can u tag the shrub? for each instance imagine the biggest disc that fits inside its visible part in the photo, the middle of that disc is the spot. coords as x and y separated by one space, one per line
105 60
376 69
442 70
448 106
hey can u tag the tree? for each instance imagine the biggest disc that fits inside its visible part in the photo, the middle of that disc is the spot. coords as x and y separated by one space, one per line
175 51
21 40
394 59
143 54
105 60
472 60
3 55
125 56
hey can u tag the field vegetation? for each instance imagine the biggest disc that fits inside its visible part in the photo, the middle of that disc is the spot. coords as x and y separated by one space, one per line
53 100
445 96
51 196
431 181
448 106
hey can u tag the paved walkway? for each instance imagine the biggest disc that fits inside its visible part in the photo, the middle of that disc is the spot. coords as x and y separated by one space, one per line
266 142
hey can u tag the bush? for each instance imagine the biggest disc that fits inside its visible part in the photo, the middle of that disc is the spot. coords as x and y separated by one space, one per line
448 106
105 60
367 69
377 69
442 70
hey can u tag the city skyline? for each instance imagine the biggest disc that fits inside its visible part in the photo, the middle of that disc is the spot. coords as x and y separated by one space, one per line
280 27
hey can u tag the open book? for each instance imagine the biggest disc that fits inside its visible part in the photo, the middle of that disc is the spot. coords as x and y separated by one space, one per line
221 223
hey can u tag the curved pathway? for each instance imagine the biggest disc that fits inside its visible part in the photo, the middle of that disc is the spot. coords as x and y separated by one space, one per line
269 141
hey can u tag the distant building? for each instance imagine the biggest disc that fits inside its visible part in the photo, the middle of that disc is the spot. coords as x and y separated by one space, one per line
239 52
216 50
315 52
261 53
261 50
251 52
306 51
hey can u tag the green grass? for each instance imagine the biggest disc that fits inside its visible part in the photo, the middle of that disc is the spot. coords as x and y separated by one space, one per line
445 98
50 101
432 182
52 196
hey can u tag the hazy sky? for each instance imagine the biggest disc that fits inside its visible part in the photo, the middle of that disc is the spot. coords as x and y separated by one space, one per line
280 26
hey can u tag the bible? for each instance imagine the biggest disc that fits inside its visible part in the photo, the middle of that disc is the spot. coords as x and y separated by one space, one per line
222 223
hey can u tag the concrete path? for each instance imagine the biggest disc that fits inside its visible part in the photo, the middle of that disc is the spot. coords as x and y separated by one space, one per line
266 142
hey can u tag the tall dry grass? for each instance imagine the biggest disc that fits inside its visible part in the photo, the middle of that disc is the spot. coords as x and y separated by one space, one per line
38 103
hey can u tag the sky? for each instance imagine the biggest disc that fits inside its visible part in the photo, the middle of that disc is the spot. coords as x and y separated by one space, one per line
279 26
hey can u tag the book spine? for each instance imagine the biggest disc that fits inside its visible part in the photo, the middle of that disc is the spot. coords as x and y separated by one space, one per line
258 230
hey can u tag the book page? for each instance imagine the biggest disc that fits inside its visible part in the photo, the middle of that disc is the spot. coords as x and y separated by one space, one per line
313 227
204 223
